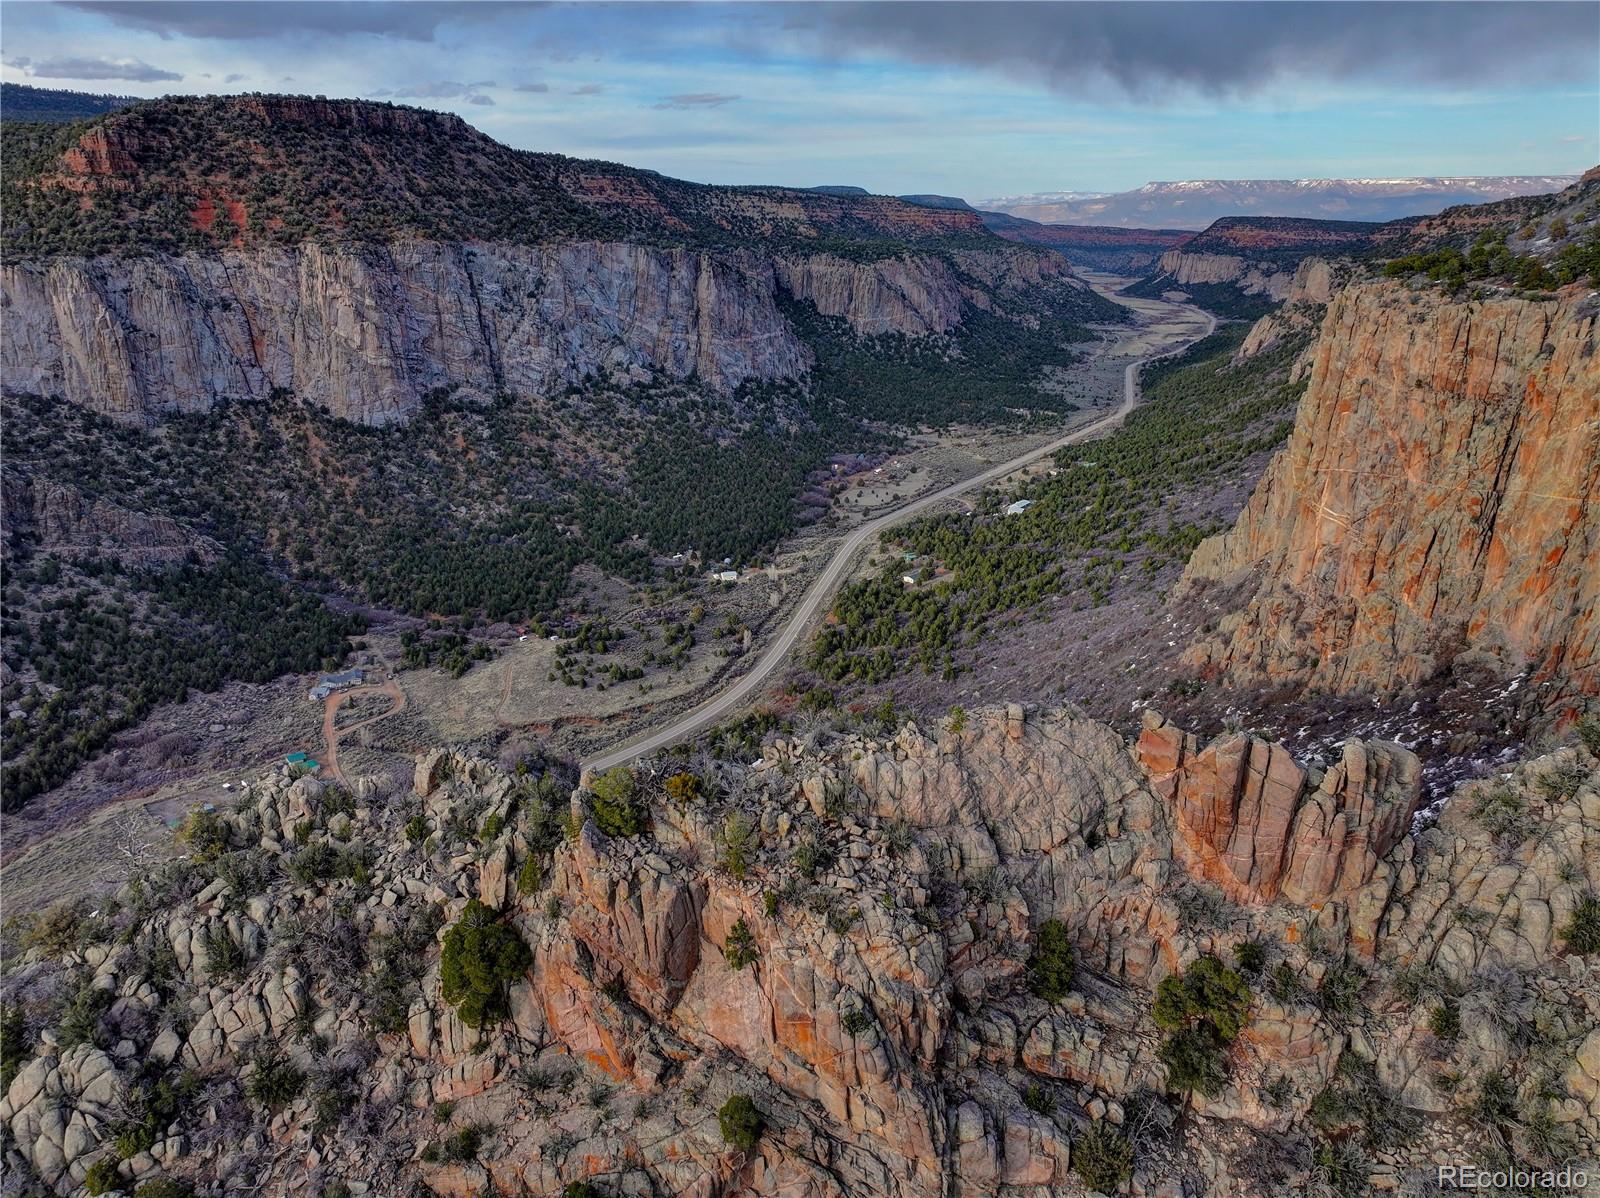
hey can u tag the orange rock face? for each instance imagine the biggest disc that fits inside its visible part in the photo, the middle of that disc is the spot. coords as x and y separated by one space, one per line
1253 821
1438 503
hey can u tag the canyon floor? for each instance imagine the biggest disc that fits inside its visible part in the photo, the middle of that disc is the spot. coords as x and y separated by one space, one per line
77 838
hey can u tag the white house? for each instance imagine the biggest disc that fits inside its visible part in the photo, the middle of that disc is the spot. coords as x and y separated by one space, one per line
1017 508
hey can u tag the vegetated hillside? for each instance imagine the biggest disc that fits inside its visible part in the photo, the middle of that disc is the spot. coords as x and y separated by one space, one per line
425 392
1101 524
215 171
1196 203
469 510
846 958
22 102
938 201
91 647
1535 243
1265 238
1463 224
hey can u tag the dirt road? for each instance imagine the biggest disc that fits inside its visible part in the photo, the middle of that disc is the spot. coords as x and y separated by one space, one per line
332 734
719 707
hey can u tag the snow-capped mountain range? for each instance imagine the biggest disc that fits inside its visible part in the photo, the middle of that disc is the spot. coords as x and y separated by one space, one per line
1195 203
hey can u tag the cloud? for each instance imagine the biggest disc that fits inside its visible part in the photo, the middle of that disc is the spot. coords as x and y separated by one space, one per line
696 100
589 89
440 89
1223 49
224 19
233 78
131 69
532 87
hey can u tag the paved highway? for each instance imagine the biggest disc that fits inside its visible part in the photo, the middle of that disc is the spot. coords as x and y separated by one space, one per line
716 709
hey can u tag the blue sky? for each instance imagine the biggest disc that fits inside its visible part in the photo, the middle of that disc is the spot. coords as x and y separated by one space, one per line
970 100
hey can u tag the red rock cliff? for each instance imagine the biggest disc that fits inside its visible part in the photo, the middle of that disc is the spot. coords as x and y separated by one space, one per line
1438 502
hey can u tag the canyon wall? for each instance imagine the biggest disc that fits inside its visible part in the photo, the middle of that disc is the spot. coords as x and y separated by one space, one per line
368 332
1251 278
1316 281
1437 505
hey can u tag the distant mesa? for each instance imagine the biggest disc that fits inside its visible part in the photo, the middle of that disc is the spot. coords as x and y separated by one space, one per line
55 106
937 201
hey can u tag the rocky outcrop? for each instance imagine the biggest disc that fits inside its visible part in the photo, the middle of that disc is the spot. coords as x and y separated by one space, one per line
368 332
1437 506
858 970
1252 820
1185 268
65 521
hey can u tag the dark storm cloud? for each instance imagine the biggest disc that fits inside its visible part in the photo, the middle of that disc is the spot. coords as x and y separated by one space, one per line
129 69
696 100
1226 48
228 19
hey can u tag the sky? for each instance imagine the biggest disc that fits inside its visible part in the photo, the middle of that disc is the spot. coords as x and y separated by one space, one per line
973 100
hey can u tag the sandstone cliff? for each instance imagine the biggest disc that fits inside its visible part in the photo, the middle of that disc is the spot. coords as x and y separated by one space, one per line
185 252
857 969
1241 265
1437 506
1184 268
1316 281
367 332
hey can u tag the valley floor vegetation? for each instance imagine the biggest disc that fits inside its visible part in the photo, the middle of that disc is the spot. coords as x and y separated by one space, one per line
471 511
104 645
1104 510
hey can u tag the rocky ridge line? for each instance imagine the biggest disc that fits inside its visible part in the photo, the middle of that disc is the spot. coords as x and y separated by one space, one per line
889 894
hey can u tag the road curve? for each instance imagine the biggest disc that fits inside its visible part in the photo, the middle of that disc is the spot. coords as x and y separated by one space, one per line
715 709
332 734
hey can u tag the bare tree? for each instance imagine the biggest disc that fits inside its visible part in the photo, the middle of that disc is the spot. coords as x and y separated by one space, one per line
133 845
